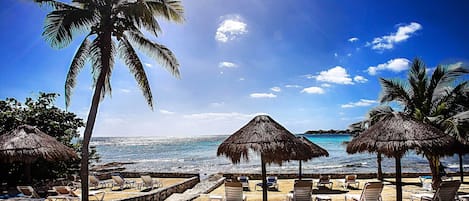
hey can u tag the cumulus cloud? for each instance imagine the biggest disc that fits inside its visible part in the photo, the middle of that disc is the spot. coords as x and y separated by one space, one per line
325 85
361 103
395 65
263 95
166 112
292 86
313 90
360 79
230 29
337 75
403 33
276 89
221 116
226 64
354 39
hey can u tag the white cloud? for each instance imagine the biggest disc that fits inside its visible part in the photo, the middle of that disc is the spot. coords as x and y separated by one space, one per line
263 95
336 75
325 85
354 39
292 86
349 54
125 91
230 29
276 89
313 90
361 103
221 116
217 104
395 65
166 112
403 33
241 79
309 76
336 55
360 79
226 64
149 65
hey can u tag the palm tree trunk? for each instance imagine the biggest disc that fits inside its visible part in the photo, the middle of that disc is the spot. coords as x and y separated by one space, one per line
461 168
87 137
380 170
434 167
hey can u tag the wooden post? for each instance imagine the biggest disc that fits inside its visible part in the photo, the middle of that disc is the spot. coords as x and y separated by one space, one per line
299 174
264 180
398 179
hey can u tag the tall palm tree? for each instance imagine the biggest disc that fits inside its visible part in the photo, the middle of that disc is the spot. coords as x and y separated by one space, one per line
376 114
430 99
112 28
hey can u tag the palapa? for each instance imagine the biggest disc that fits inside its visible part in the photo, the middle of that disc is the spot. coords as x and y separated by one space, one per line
395 135
271 140
316 149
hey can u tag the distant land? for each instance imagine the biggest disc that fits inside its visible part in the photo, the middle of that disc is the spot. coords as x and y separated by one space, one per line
331 131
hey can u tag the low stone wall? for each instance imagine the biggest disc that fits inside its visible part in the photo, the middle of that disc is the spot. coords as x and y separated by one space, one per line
333 175
152 174
164 193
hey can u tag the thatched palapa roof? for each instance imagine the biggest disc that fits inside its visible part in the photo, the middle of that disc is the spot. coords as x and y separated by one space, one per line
27 143
267 137
315 149
394 136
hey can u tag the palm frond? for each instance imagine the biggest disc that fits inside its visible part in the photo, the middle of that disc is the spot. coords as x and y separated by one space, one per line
379 113
96 57
458 126
61 24
158 52
140 14
75 67
171 10
394 90
131 59
417 78
54 4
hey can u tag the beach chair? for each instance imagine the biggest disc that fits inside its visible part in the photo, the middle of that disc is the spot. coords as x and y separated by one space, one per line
65 193
148 182
371 191
121 182
28 191
234 192
349 180
245 182
301 191
271 183
94 182
324 180
445 192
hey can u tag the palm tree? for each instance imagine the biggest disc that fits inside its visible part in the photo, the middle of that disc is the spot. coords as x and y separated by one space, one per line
431 99
112 29
374 115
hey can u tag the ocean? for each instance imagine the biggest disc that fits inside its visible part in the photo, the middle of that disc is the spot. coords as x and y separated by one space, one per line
198 154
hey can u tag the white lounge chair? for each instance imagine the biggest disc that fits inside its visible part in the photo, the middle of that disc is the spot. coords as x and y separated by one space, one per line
148 182
371 192
324 180
121 182
233 192
94 182
445 192
245 182
349 180
301 191
65 193
28 191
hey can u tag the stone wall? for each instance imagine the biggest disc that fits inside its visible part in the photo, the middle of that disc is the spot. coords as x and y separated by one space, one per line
333 175
164 193
104 176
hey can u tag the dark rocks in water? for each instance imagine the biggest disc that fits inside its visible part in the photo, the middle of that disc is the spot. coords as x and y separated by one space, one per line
110 167
330 131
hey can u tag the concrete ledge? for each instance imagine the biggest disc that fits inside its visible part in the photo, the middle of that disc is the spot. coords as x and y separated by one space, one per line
164 193
333 175
152 174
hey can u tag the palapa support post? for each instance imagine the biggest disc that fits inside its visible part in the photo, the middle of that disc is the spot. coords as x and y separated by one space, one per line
299 172
264 180
398 179
461 168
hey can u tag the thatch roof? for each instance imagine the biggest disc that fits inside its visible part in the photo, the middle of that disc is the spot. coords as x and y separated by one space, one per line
27 143
268 138
315 149
394 136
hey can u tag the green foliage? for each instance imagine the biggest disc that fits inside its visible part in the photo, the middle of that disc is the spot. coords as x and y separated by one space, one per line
43 114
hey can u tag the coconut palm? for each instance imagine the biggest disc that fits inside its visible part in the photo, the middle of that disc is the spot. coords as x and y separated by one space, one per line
431 99
112 28
376 114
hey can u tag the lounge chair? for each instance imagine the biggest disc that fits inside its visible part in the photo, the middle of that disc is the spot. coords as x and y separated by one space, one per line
349 180
446 191
245 182
325 180
65 193
371 191
148 182
271 183
28 191
94 182
121 182
301 191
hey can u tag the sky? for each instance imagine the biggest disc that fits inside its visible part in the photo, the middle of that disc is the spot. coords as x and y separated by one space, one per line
309 64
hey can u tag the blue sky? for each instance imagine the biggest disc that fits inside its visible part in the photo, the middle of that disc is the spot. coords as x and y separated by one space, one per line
309 64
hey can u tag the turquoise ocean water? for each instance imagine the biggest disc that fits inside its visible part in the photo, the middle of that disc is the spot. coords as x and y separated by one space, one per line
198 154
